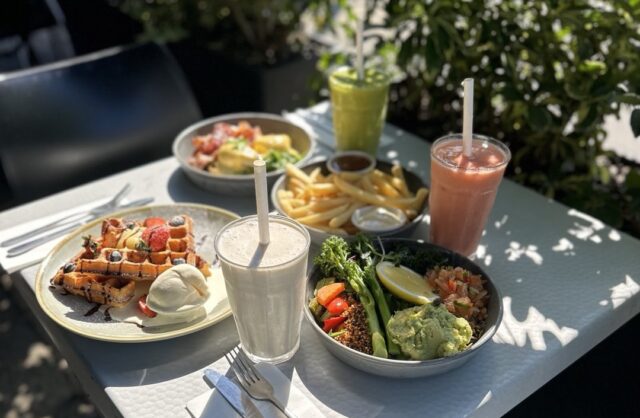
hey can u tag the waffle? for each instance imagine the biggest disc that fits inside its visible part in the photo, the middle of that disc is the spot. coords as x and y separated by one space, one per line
98 288
128 252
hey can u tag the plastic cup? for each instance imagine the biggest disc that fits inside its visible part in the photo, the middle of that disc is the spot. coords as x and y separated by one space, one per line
265 284
463 189
359 108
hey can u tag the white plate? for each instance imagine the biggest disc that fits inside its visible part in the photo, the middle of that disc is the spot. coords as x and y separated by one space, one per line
69 310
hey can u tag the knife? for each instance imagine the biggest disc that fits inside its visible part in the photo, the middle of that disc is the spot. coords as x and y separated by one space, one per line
30 245
236 397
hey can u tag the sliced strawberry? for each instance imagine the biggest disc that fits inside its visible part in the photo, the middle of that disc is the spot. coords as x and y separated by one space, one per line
156 237
142 305
151 222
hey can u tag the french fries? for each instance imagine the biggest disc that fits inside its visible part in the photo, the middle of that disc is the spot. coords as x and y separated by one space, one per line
328 202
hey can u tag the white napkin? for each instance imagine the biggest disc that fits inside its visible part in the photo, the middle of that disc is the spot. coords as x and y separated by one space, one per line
13 264
211 403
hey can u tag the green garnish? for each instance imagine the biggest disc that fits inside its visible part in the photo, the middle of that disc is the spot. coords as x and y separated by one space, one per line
89 243
276 159
238 143
337 333
142 246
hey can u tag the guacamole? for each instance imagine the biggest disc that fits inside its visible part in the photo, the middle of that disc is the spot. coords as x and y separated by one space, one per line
426 332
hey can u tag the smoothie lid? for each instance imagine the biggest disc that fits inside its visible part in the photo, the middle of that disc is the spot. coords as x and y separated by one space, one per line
346 75
447 162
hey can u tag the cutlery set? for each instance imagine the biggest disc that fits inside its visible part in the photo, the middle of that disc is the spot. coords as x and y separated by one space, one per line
27 241
253 385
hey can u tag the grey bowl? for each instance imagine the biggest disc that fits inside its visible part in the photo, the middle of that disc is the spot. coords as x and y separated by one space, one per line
406 368
239 184
317 236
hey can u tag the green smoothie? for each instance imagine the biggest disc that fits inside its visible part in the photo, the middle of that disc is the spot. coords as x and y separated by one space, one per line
359 108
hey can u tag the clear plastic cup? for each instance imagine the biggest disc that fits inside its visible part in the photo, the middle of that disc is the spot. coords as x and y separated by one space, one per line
463 190
265 284
359 108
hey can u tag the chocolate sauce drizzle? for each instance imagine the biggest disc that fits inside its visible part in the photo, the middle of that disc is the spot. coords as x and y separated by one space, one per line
93 310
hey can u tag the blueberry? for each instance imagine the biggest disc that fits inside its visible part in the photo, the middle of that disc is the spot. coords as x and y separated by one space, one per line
130 224
69 267
177 261
176 221
115 256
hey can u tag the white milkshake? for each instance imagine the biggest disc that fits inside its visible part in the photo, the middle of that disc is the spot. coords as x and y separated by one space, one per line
265 284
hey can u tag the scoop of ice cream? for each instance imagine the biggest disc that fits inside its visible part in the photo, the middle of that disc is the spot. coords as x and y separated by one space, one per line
181 288
426 332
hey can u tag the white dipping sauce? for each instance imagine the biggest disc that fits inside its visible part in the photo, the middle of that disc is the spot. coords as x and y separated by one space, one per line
378 219
265 284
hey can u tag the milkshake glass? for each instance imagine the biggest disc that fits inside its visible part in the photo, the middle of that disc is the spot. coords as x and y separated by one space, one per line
463 189
265 284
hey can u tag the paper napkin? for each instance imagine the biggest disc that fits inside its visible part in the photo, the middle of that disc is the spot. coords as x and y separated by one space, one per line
211 403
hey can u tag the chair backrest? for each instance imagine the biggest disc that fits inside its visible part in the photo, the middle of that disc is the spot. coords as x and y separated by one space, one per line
77 120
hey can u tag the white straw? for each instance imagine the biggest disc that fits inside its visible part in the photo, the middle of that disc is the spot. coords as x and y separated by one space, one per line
467 117
262 204
359 49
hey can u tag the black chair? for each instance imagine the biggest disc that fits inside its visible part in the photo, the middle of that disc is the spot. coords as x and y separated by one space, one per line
77 120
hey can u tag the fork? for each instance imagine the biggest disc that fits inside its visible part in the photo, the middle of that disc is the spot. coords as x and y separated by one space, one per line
70 226
252 381
69 219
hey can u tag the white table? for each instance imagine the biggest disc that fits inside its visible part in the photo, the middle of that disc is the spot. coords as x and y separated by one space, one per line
568 281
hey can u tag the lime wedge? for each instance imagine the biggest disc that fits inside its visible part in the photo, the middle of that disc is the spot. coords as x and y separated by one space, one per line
405 283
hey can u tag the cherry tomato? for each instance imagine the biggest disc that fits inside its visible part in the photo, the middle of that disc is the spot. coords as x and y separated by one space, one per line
332 323
142 305
337 306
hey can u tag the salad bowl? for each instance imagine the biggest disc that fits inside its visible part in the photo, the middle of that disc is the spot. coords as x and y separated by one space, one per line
411 368
239 184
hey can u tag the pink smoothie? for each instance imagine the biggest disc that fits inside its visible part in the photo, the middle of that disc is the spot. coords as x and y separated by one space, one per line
463 190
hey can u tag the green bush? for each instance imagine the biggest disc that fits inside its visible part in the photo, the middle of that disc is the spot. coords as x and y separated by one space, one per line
257 31
547 73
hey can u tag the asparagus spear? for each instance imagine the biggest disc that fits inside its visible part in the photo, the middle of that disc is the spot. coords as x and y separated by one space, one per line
334 260
381 301
365 249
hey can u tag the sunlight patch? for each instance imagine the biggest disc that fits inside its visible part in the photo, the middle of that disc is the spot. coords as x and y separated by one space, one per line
590 231
514 332
564 246
481 254
624 291
499 224
614 235
486 399
517 250
38 353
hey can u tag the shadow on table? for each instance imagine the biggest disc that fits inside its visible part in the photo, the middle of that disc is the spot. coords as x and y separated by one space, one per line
160 361
181 189
559 289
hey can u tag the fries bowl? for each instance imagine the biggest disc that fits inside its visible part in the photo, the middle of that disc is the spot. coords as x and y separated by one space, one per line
239 184
324 202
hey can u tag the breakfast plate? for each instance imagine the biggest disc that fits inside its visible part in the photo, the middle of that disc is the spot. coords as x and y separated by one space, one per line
127 324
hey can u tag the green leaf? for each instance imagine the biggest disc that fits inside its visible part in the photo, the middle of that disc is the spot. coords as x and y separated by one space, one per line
434 59
539 118
632 181
635 122
629 98
586 118
592 67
